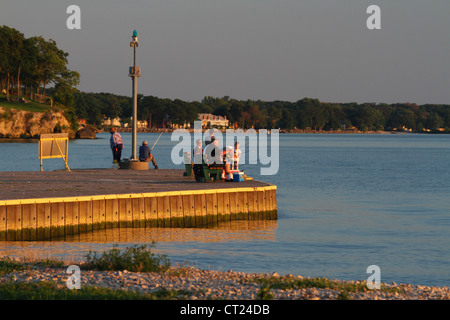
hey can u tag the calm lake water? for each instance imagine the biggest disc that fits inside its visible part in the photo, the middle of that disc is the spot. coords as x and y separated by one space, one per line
345 202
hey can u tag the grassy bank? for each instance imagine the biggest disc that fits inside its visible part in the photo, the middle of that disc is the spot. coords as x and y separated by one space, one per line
32 106
48 290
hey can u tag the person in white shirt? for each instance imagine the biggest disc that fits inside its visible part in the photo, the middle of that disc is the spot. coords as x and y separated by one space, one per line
237 155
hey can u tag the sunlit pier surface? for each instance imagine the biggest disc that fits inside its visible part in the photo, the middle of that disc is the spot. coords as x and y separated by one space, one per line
44 205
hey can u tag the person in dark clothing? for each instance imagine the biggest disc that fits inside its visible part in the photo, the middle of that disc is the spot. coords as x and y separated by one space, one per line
212 153
211 138
197 158
116 145
145 154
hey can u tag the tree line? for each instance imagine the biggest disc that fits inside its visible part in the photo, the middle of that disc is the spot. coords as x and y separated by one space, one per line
305 114
29 65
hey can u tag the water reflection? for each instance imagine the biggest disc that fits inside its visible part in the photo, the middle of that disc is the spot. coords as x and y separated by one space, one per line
75 247
225 231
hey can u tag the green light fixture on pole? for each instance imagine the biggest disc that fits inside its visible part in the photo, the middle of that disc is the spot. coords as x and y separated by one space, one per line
134 73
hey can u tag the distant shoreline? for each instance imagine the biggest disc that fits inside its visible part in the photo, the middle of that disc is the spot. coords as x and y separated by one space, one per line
18 140
34 140
161 130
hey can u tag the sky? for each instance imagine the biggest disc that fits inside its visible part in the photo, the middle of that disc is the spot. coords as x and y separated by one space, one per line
252 49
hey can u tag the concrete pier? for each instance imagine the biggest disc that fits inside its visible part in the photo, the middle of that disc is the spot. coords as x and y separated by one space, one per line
45 205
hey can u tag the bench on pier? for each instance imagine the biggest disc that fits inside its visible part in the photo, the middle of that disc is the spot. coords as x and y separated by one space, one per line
208 173
212 172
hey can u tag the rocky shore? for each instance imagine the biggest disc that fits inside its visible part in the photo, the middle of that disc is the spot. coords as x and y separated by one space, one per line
200 284
27 124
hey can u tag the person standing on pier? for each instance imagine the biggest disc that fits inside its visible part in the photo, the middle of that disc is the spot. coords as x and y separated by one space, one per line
212 153
237 156
116 144
211 137
197 158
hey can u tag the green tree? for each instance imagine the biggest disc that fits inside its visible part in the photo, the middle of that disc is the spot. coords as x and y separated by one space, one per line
65 87
51 62
402 117
434 121
32 62
12 57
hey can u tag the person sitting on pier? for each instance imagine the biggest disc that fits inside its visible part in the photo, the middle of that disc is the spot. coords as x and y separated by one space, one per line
145 154
228 161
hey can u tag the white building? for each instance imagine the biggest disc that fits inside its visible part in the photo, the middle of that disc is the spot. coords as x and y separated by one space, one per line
141 124
114 122
210 120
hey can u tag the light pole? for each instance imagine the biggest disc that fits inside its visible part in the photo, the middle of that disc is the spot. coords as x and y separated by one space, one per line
134 73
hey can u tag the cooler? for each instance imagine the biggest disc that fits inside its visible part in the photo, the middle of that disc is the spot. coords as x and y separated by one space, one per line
238 177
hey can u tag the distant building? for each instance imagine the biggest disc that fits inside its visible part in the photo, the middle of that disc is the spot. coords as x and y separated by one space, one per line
142 124
180 126
403 128
116 122
211 120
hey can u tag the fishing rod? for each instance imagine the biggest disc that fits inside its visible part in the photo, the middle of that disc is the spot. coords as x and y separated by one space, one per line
156 141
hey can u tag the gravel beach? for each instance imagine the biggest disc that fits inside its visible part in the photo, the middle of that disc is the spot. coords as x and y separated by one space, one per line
218 285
